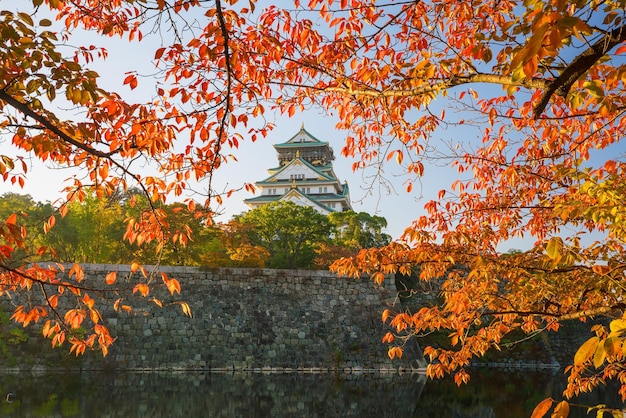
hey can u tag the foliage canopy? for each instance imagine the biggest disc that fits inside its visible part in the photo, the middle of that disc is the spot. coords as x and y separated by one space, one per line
537 85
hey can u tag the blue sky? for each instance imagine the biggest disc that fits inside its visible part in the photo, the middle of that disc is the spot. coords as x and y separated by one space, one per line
388 200
399 208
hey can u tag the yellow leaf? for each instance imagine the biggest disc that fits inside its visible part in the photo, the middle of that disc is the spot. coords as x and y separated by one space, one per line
612 346
554 248
585 351
186 309
599 356
378 277
46 329
617 326
399 352
399 157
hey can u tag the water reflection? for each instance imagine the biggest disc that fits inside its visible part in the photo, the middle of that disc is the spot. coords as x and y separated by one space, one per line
490 394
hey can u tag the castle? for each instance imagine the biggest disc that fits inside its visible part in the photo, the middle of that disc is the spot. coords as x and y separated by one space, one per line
304 176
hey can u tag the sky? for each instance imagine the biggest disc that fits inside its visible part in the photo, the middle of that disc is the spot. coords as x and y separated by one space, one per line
390 201
399 208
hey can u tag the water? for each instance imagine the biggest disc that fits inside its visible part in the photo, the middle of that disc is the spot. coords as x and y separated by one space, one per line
491 393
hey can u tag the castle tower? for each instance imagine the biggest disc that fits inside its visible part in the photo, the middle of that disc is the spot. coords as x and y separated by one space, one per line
304 176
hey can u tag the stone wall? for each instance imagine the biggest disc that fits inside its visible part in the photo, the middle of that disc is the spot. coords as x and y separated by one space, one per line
243 319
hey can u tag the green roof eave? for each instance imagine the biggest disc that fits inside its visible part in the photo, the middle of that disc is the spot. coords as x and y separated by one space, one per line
263 199
300 144
306 163
314 142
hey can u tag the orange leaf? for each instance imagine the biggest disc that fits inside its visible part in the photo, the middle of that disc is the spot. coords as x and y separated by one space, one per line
601 269
131 80
385 315
173 286
11 220
142 288
561 410
542 408
110 278
378 277
159 53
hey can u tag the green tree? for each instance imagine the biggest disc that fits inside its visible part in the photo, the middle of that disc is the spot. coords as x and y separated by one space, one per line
23 206
290 233
185 237
357 230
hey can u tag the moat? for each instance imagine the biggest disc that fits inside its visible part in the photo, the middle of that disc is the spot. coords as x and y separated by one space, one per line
490 393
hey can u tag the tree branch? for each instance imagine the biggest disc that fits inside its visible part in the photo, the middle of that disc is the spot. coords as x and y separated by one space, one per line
579 66
602 310
535 83
23 107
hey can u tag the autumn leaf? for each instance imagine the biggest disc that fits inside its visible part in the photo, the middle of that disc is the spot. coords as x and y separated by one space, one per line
561 410
555 248
11 220
186 309
542 408
74 318
599 356
131 80
586 351
617 326
142 288
378 277
110 277
385 315
173 286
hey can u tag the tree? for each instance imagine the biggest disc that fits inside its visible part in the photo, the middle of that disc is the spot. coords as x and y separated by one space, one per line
352 232
289 232
22 206
234 247
89 233
359 230
538 87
